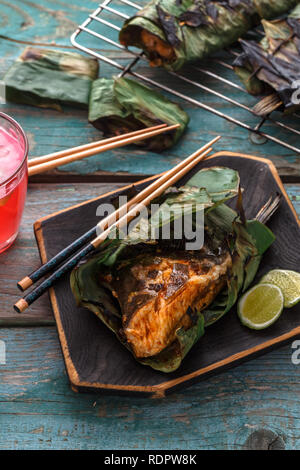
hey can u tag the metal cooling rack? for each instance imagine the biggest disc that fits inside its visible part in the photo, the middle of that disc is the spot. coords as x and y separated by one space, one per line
104 25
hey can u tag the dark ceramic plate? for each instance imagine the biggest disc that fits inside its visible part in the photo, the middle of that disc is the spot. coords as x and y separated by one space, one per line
94 358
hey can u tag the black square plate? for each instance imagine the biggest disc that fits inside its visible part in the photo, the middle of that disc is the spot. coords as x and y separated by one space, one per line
94 358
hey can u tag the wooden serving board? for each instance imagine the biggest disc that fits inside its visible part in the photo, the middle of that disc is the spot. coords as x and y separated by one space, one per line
94 358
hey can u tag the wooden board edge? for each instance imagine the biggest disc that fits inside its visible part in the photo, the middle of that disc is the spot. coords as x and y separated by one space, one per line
230 360
157 391
71 370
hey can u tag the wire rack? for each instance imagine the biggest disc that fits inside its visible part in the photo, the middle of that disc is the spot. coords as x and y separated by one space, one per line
103 26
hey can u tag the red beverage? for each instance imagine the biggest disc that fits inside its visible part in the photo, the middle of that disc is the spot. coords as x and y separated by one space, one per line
13 179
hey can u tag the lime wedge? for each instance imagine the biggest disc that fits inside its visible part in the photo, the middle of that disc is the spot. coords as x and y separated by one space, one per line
261 306
288 282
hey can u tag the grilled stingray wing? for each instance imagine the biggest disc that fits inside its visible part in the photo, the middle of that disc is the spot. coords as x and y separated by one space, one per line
158 295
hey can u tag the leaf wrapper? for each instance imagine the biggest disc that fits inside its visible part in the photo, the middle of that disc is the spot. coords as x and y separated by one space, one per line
173 32
273 65
250 242
247 243
48 78
123 105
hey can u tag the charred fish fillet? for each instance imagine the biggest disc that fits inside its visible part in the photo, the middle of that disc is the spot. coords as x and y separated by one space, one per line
157 295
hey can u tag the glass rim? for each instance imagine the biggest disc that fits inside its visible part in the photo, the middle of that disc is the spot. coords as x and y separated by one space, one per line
20 129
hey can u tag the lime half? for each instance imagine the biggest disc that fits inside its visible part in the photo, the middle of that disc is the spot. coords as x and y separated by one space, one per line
261 306
288 282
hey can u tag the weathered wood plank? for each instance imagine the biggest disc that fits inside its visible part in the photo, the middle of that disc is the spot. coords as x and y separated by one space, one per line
44 21
38 410
23 256
54 20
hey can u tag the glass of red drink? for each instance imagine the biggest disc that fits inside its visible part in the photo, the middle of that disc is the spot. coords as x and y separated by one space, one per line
13 178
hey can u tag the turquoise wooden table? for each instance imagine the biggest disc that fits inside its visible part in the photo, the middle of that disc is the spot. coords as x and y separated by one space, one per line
255 405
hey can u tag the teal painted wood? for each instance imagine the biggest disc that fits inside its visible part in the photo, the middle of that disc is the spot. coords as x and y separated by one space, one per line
48 21
293 192
38 410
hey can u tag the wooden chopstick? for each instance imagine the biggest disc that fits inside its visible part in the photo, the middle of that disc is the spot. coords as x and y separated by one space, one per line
24 303
50 165
81 148
29 280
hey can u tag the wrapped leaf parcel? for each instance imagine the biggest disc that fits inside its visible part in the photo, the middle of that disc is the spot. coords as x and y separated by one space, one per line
173 32
123 105
156 296
48 78
274 65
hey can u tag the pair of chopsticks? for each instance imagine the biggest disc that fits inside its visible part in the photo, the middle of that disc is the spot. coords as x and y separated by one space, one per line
119 218
53 160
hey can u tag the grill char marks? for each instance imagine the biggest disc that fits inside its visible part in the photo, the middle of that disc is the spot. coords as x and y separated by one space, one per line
179 276
156 293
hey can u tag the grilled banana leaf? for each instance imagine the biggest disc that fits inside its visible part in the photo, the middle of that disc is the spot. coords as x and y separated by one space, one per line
173 32
47 78
273 65
245 242
251 240
124 105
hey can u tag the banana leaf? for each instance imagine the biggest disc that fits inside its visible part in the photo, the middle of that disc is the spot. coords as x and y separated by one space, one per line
124 105
221 183
273 65
251 240
47 78
173 32
247 242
